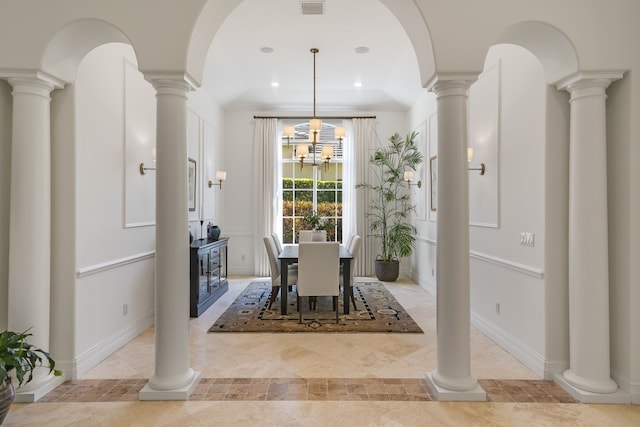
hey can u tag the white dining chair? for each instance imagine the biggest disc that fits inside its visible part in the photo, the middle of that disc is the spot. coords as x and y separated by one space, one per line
274 264
276 240
312 236
318 273
347 243
354 249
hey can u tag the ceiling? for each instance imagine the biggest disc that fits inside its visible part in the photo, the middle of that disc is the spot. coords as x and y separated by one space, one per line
238 75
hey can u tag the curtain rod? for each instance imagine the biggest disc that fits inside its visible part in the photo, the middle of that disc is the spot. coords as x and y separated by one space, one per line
318 117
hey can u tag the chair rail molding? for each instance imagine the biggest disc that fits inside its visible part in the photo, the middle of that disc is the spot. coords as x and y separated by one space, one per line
501 262
115 263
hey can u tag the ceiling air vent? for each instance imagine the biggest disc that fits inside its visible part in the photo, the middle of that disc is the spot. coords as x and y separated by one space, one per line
312 7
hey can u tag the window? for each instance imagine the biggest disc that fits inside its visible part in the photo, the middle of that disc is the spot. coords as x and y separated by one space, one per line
313 188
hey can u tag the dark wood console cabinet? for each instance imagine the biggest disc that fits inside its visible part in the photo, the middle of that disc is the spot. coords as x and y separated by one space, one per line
208 273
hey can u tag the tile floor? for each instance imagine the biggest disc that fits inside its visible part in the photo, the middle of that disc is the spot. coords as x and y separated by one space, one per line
332 389
316 380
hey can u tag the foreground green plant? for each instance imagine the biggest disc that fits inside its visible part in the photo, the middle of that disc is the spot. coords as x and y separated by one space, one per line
22 358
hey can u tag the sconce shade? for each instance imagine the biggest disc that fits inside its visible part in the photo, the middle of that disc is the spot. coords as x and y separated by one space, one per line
220 176
408 176
481 169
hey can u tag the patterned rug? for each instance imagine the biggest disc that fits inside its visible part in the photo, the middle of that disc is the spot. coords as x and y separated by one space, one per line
377 311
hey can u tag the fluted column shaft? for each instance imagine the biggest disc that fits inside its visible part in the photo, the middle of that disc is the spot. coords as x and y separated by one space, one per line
452 278
589 367
172 369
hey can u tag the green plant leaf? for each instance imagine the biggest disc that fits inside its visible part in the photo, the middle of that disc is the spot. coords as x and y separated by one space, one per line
390 205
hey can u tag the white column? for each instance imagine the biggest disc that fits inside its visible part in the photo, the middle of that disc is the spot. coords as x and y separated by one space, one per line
589 368
30 219
173 378
452 380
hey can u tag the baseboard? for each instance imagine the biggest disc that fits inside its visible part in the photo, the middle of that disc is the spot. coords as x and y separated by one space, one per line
430 287
109 345
525 354
554 367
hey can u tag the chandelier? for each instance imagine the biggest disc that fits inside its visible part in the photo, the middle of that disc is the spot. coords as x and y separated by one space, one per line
315 126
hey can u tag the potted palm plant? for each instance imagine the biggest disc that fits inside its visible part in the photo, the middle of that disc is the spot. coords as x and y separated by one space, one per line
390 205
18 359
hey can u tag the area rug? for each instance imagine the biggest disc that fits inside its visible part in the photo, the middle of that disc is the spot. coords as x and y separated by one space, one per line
377 311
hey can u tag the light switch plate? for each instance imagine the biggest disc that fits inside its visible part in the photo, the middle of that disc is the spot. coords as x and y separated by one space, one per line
527 239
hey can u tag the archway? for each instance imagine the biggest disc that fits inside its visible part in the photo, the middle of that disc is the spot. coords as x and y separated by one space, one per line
72 274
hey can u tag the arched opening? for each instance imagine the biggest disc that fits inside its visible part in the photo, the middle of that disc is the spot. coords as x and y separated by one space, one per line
531 156
72 43
102 122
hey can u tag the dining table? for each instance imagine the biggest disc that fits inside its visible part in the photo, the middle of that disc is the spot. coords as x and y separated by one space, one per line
289 255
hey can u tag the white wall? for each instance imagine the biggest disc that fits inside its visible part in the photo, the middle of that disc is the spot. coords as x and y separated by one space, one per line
423 119
516 281
114 263
205 145
5 188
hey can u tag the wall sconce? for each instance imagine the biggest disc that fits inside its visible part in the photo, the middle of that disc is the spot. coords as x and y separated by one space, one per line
340 132
480 169
220 176
408 176
143 170
289 132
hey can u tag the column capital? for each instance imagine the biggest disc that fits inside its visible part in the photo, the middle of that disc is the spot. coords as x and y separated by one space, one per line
37 77
445 84
171 83
32 82
589 80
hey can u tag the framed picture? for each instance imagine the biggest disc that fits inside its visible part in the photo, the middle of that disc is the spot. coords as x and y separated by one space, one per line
433 166
191 173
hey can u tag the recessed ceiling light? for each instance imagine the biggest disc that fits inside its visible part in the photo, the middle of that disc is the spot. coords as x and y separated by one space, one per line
266 49
362 49
358 84
275 84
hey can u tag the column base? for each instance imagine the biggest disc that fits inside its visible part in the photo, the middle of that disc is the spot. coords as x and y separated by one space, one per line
442 394
33 394
617 397
182 393
586 384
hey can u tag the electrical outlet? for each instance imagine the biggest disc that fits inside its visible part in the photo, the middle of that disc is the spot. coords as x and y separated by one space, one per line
125 309
498 308
433 272
242 257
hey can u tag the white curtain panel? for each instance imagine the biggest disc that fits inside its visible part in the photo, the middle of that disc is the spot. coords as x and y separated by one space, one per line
267 187
349 212
363 146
